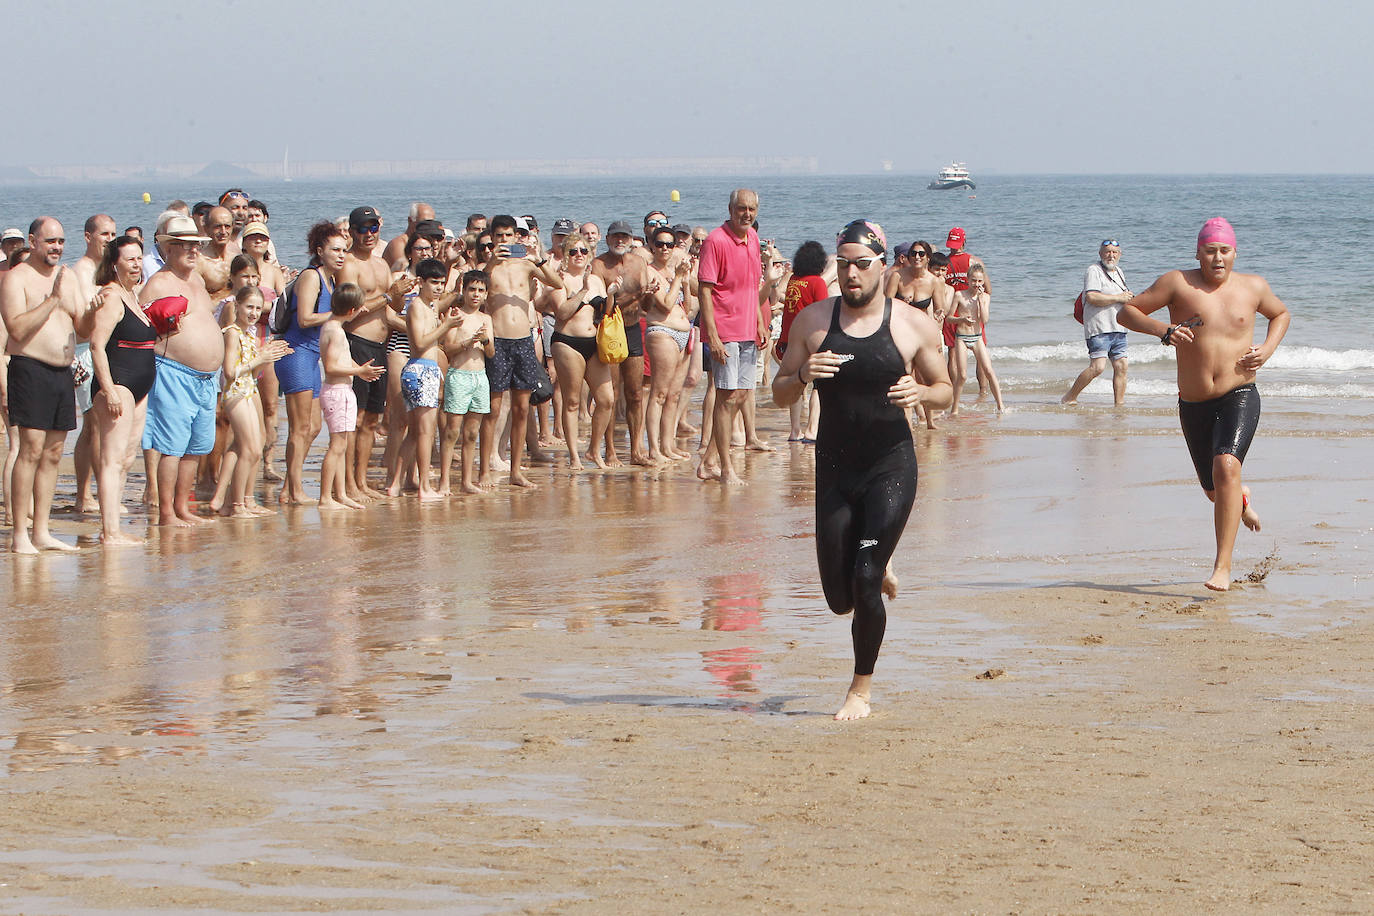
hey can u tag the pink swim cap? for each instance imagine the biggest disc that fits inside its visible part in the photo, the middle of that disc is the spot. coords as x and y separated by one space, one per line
1217 229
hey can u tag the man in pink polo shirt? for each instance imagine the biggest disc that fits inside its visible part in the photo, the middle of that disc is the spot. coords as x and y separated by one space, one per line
734 319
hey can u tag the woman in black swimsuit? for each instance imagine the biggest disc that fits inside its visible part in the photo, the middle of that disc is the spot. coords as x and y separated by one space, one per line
574 349
122 357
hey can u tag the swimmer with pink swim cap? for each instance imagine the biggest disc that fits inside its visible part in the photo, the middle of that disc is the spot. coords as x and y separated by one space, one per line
1216 229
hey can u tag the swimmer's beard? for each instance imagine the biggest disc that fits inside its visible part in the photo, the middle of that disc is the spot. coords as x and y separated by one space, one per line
859 299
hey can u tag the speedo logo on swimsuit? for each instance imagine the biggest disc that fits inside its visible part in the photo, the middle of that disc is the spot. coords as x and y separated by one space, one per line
844 357
867 542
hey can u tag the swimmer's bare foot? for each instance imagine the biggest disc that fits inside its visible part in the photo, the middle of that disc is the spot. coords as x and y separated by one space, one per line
20 544
48 542
1220 581
641 459
329 504
686 430
613 460
759 445
890 582
520 480
429 496
174 521
269 473
88 505
1247 512
499 464
471 489
119 540
239 510
731 480
707 472
487 481
855 705
352 503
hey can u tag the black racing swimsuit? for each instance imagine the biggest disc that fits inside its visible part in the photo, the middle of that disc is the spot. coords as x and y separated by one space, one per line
130 354
865 479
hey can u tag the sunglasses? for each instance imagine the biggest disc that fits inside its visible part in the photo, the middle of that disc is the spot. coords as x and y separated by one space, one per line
234 195
918 253
660 243
487 245
578 251
861 263
371 229
1113 243
656 222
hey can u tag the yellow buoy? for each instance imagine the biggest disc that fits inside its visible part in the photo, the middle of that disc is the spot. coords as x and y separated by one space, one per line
675 196
147 198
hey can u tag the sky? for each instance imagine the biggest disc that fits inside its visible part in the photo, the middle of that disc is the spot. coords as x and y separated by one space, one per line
1067 87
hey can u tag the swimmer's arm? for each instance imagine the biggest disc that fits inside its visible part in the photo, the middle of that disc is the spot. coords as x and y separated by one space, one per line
233 367
22 323
308 297
928 378
1134 315
1272 308
984 308
892 284
787 382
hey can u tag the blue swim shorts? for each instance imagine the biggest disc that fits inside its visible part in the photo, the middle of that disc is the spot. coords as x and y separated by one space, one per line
181 410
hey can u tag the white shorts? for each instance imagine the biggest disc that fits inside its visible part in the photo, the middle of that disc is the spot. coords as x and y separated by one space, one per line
740 369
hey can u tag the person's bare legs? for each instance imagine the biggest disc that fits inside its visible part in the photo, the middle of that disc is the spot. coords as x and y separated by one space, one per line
246 427
632 386
664 356
450 427
269 389
672 411
363 440
32 485
519 418
115 435
1119 381
958 373
176 483
85 460
856 700
983 359
423 419
487 475
151 459
472 424
729 403
571 368
1096 365
298 409
752 440
1231 505
598 377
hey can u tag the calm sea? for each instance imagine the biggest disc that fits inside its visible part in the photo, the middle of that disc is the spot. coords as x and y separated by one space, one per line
1035 233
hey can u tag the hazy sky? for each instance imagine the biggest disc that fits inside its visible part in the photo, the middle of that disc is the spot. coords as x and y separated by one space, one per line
1075 87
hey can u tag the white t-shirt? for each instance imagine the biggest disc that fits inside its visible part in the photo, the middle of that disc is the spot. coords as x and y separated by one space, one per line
1101 319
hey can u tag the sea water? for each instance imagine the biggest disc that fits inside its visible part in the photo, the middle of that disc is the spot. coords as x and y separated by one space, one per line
1036 233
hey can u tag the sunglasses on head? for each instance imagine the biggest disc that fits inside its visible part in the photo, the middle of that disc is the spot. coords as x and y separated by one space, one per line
1112 243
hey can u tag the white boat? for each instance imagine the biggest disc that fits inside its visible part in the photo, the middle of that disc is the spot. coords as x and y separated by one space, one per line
954 175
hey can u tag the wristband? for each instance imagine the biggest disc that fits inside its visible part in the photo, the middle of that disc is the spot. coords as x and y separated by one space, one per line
541 263
1164 338
799 376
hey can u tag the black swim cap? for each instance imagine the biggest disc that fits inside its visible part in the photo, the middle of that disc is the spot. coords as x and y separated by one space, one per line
864 232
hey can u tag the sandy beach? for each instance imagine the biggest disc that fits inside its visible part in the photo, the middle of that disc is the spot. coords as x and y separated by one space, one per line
614 695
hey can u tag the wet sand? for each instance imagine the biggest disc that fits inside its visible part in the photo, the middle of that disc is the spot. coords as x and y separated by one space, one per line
615 694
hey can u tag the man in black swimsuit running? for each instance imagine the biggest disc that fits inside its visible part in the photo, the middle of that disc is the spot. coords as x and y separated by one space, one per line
870 362
1218 404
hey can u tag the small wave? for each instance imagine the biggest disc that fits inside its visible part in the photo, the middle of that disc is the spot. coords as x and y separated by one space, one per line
1143 353
1169 388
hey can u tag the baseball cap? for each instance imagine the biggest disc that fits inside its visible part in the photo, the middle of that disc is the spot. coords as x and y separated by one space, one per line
620 227
682 229
361 216
564 226
11 233
955 239
902 249
429 228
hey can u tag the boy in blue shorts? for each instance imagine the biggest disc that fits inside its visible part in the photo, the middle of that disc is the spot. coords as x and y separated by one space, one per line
467 396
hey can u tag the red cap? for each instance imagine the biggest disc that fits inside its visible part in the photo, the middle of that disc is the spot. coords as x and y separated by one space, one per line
164 313
955 238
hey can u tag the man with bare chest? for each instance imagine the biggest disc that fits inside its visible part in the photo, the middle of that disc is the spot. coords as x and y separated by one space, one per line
181 406
44 314
100 230
218 253
1211 327
367 332
514 366
633 283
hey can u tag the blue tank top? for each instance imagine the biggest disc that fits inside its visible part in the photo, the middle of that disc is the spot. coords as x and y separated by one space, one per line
309 338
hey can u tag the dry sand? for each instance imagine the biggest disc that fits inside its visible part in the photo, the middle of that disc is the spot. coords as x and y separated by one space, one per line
614 695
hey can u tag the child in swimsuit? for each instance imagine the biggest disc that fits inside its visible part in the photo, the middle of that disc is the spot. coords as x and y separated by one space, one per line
243 357
969 315
338 403
467 396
